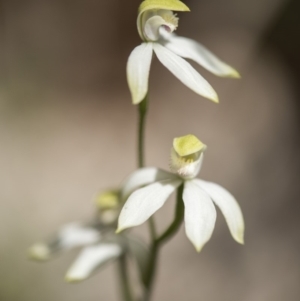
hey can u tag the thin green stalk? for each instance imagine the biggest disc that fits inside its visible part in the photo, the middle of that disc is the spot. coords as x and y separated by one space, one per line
143 106
126 292
157 243
179 214
152 228
124 279
152 263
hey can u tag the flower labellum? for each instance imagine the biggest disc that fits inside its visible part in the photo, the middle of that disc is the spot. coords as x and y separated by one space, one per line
187 156
150 8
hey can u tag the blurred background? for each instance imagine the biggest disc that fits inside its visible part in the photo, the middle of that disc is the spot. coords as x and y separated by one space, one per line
67 130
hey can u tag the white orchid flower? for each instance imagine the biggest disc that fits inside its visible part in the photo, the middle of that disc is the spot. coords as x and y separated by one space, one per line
156 23
198 195
97 239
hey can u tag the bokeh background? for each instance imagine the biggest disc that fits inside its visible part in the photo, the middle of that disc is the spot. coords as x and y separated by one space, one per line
67 129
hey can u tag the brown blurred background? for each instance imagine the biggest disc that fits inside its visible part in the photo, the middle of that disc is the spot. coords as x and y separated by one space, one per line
67 129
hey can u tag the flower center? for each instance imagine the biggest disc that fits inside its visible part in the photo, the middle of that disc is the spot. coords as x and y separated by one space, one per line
186 156
153 20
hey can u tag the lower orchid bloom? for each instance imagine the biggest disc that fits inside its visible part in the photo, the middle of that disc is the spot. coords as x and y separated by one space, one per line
198 196
97 238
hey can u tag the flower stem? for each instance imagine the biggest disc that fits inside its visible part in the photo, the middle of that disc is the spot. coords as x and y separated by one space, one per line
143 106
179 214
124 279
157 242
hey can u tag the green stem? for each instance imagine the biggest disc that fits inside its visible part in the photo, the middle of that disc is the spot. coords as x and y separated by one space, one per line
143 106
157 242
179 214
124 279
152 263
152 228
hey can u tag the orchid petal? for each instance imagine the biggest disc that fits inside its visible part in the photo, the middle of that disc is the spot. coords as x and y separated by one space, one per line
190 49
229 207
138 68
143 176
199 215
91 258
185 72
77 235
70 236
144 202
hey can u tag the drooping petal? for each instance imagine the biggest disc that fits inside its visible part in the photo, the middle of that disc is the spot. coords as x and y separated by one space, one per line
141 177
70 236
185 72
138 68
229 207
144 202
199 215
91 258
190 49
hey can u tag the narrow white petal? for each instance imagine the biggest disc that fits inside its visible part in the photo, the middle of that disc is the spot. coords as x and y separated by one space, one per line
193 50
141 177
185 72
91 258
144 202
70 236
199 215
229 207
138 68
76 235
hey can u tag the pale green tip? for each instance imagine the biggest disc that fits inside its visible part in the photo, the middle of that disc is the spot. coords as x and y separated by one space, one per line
214 98
187 145
240 239
239 235
39 252
73 279
119 230
234 74
198 248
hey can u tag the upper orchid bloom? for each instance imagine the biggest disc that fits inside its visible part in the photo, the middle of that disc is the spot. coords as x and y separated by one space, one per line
198 195
156 23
